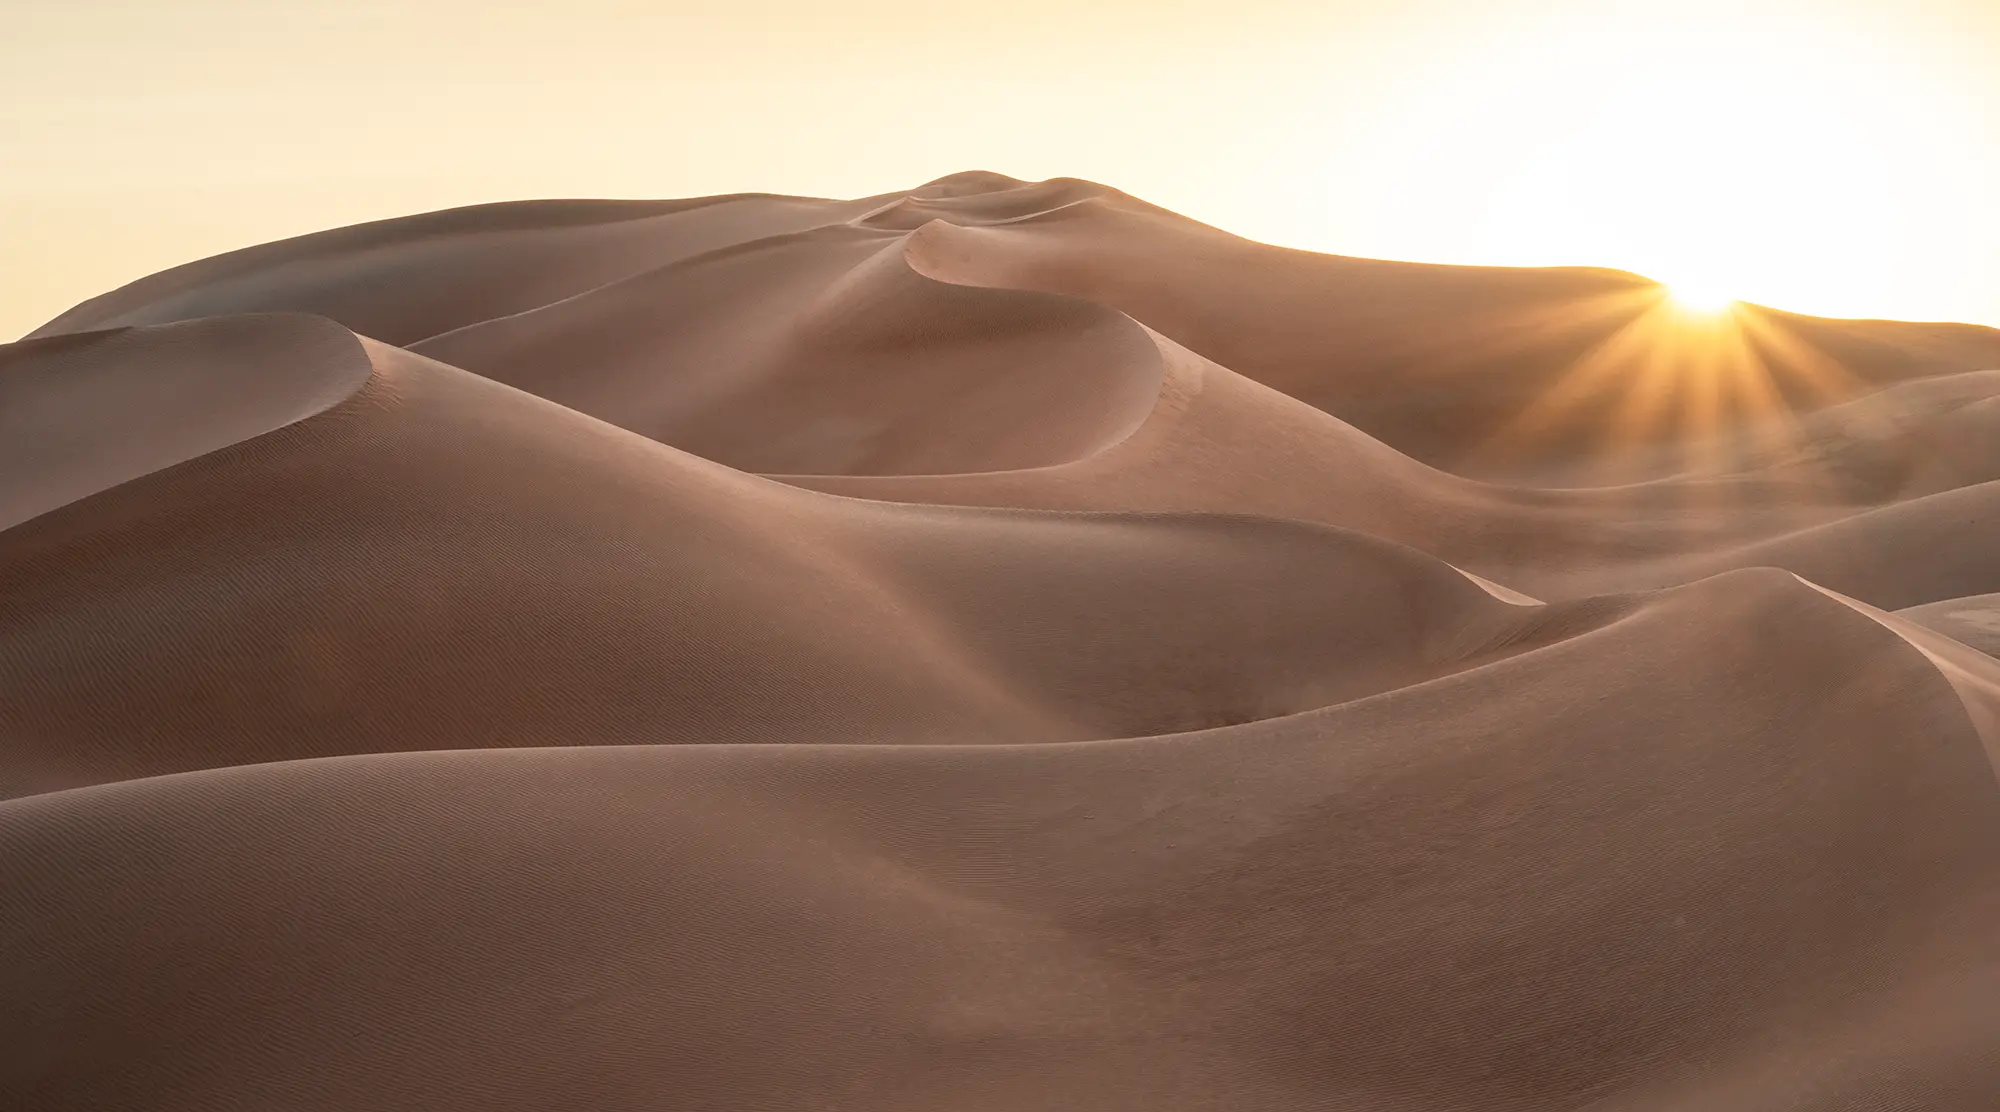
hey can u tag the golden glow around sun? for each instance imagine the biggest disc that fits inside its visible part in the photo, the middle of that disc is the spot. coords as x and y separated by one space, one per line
1770 157
1698 296
1708 388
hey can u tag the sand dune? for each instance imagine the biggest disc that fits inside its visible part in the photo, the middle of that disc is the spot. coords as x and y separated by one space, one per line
996 646
1973 621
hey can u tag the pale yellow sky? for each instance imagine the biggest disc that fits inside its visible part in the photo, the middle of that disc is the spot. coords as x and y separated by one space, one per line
1829 156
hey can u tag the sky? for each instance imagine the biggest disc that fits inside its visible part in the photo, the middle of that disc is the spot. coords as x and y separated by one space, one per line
1837 157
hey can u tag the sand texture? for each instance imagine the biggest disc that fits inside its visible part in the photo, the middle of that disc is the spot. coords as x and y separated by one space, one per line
992 648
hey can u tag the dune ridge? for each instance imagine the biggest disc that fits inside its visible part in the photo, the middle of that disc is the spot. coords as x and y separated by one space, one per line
995 646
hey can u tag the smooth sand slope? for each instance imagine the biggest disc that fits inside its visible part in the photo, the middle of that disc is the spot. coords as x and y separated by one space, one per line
999 646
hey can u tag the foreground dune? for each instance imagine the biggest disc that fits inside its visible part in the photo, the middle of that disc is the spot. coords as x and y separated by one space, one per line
999 646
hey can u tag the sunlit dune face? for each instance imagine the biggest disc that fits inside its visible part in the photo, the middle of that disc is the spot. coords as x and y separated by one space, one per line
1683 368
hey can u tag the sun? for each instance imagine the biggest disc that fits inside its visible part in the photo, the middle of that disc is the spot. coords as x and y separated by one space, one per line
1699 297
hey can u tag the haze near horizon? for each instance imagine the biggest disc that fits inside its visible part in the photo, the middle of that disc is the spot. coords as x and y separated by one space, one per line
1833 158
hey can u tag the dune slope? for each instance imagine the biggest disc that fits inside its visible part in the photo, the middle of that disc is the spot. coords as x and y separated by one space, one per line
996 646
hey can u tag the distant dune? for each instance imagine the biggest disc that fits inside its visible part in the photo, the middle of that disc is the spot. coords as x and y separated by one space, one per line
999 646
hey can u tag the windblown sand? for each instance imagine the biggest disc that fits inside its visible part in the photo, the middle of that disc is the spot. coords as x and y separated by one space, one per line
994 647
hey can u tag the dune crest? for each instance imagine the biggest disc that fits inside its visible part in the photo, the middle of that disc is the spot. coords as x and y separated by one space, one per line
999 645
83 413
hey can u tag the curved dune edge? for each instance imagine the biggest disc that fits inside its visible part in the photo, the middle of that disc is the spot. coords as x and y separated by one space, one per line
1000 205
826 352
1972 620
1971 673
1504 594
1182 376
893 274
84 413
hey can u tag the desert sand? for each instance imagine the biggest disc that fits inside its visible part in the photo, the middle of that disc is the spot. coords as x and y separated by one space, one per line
1000 646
